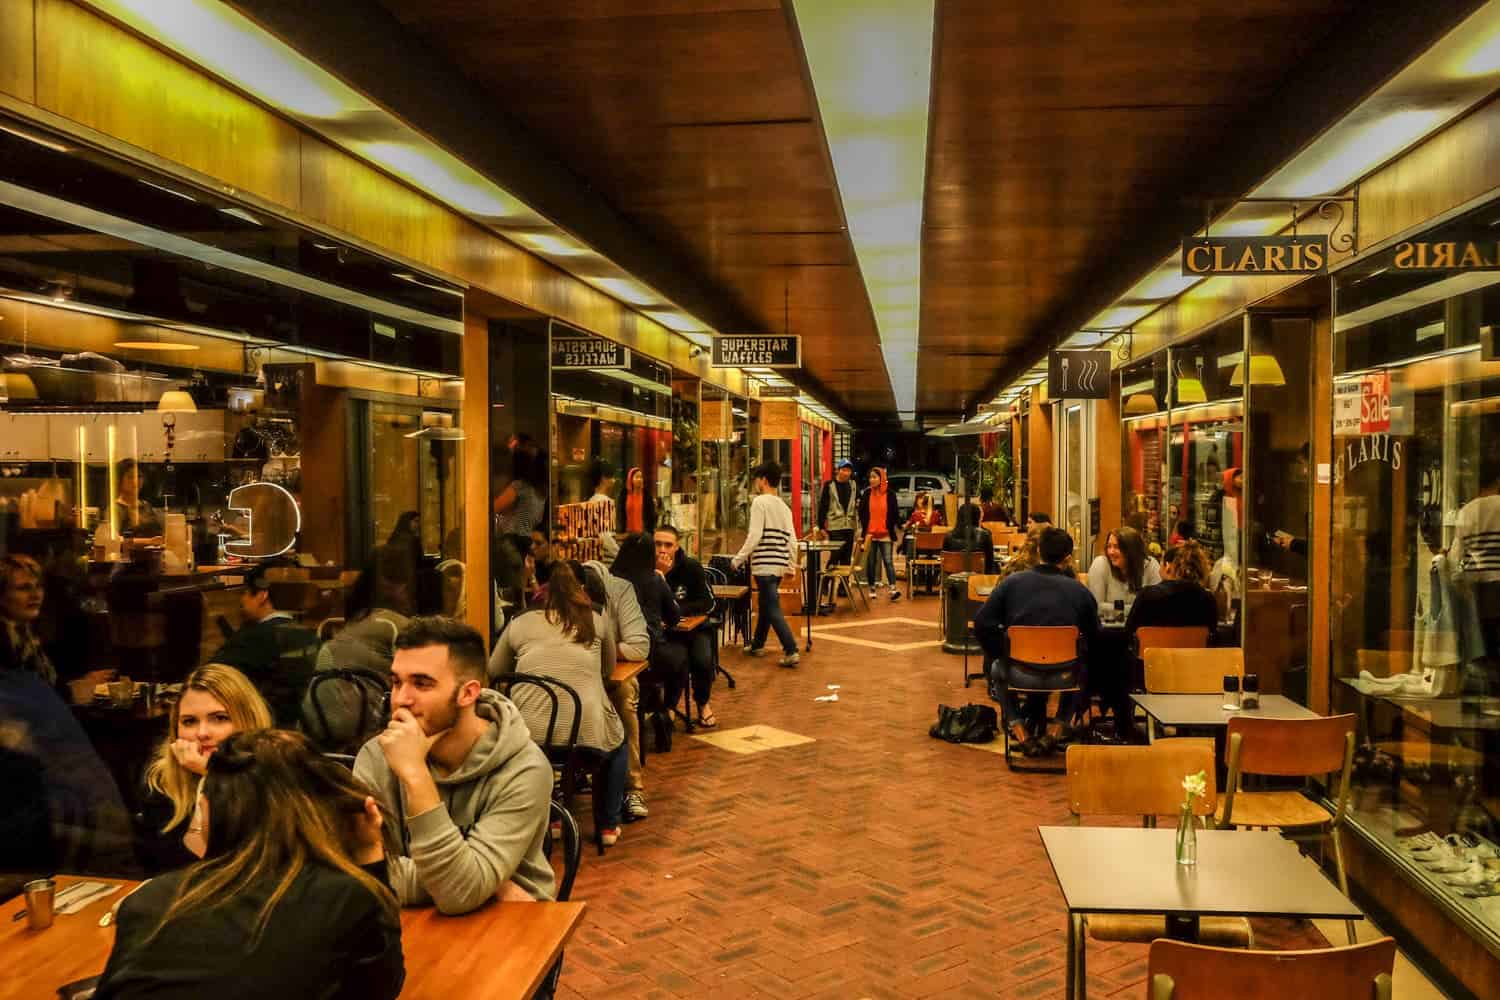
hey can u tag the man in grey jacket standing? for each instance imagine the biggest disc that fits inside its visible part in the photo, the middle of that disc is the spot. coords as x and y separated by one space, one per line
464 790
622 614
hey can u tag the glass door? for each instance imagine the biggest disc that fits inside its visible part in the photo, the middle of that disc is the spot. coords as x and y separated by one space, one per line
1075 477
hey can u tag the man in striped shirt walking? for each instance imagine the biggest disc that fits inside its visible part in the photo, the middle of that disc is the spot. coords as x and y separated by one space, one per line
771 550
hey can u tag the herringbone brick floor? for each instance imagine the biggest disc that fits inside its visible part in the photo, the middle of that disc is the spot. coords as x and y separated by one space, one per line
874 862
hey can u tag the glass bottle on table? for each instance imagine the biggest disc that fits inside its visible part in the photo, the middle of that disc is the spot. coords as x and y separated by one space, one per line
1250 696
1231 692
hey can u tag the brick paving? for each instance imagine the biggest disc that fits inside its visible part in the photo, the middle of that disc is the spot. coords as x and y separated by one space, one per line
875 862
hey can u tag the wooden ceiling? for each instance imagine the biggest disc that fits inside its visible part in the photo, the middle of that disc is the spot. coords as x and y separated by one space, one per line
1070 146
694 120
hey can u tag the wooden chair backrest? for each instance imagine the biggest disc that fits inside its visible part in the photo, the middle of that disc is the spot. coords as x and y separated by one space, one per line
1173 637
1083 578
1043 645
1198 972
978 580
1291 747
963 562
1138 781
929 541
1171 670
999 530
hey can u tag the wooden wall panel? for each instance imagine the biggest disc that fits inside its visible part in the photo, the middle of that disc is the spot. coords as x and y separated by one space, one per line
476 424
1039 476
1107 474
94 73
17 51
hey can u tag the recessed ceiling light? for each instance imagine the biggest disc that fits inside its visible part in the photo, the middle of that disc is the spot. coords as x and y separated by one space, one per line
162 346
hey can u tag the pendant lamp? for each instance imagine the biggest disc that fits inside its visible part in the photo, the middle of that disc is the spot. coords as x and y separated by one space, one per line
1190 390
1264 370
18 385
1140 403
176 401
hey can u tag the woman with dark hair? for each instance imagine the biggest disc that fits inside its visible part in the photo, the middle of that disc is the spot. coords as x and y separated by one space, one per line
968 536
381 602
663 681
1123 569
567 640
291 890
638 510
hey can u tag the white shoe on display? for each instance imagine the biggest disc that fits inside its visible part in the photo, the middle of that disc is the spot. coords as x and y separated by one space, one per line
1475 874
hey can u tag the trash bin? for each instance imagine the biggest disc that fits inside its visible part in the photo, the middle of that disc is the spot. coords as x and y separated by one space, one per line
956 616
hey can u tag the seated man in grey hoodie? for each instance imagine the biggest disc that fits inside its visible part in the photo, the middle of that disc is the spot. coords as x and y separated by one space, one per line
622 613
464 790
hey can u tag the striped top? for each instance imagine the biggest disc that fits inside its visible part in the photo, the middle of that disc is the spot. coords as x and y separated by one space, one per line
771 545
1476 540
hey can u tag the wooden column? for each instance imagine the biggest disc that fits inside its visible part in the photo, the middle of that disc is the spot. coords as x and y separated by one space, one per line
1108 485
1040 446
476 424
1320 532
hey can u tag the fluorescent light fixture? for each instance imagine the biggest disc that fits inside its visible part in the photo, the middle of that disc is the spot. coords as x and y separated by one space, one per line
168 190
549 245
231 46
29 137
626 290
871 63
674 319
159 346
241 214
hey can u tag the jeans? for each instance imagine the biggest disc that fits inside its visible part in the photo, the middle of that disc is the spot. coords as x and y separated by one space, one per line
699 649
616 767
845 538
668 670
771 616
880 554
625 698
1033 713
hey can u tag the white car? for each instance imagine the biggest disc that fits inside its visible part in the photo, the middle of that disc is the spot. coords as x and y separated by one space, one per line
908 484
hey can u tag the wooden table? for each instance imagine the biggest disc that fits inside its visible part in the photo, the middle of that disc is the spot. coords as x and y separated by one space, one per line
1240 873
737 594
500 952
689 622
731 591
1208 710
627 669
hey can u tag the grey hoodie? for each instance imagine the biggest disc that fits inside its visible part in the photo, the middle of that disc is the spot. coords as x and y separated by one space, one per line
489 828
623 613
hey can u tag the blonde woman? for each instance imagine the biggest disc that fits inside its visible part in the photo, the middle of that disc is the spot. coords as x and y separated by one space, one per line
216 702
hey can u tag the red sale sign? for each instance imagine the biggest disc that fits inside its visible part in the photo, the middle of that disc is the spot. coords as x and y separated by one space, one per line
1375 404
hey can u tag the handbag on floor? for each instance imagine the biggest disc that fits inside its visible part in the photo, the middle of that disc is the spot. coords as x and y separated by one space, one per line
970 724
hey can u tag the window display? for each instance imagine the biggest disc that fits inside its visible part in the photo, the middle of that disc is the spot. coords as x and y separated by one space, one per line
1415 624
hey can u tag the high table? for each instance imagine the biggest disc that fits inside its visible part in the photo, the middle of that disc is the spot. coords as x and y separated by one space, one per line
814 552
502 951
1239 873
736 594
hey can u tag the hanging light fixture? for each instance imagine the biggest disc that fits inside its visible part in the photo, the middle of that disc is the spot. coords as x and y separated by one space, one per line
1140 403
1264 370
176 401
18 385
1190 389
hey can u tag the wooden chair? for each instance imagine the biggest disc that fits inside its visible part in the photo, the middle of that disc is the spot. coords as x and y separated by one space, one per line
999 530
1188 670
978 581
1170 637
1041 647
1177 970
926 557
962 562
1301 748
841 578
1145 782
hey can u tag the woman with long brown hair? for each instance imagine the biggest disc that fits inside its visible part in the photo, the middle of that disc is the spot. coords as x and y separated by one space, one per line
567 640
1123 569
290 892
216 702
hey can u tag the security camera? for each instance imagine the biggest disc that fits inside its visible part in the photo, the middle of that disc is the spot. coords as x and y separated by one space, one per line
696 352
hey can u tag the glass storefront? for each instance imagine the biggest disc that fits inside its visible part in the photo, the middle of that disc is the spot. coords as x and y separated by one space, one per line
1415 574
724 485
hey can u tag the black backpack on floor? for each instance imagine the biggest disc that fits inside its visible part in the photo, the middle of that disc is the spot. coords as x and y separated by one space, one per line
970 724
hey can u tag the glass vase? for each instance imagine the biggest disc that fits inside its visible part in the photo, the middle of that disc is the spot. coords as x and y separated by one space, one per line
1187 837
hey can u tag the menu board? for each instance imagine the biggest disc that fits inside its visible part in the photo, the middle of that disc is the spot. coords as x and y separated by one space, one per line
778 420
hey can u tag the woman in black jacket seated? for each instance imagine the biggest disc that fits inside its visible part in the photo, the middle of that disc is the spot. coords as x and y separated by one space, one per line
968 536
289 901
663 681
1182 598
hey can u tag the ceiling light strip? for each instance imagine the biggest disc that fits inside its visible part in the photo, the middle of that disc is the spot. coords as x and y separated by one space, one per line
871 67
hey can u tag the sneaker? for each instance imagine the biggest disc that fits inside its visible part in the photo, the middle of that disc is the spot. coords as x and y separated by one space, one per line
790 660
609 836
895 594
635 807
1474 875
755 651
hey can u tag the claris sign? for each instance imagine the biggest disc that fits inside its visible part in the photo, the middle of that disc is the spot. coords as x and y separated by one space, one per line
1205 255
1447 255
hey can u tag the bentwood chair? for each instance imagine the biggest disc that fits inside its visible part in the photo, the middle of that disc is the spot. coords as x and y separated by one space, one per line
1146 782
925 560
1177 970
572 853
1287 748
1045 648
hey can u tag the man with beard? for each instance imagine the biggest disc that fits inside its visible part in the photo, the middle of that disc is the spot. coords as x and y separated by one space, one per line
464 791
